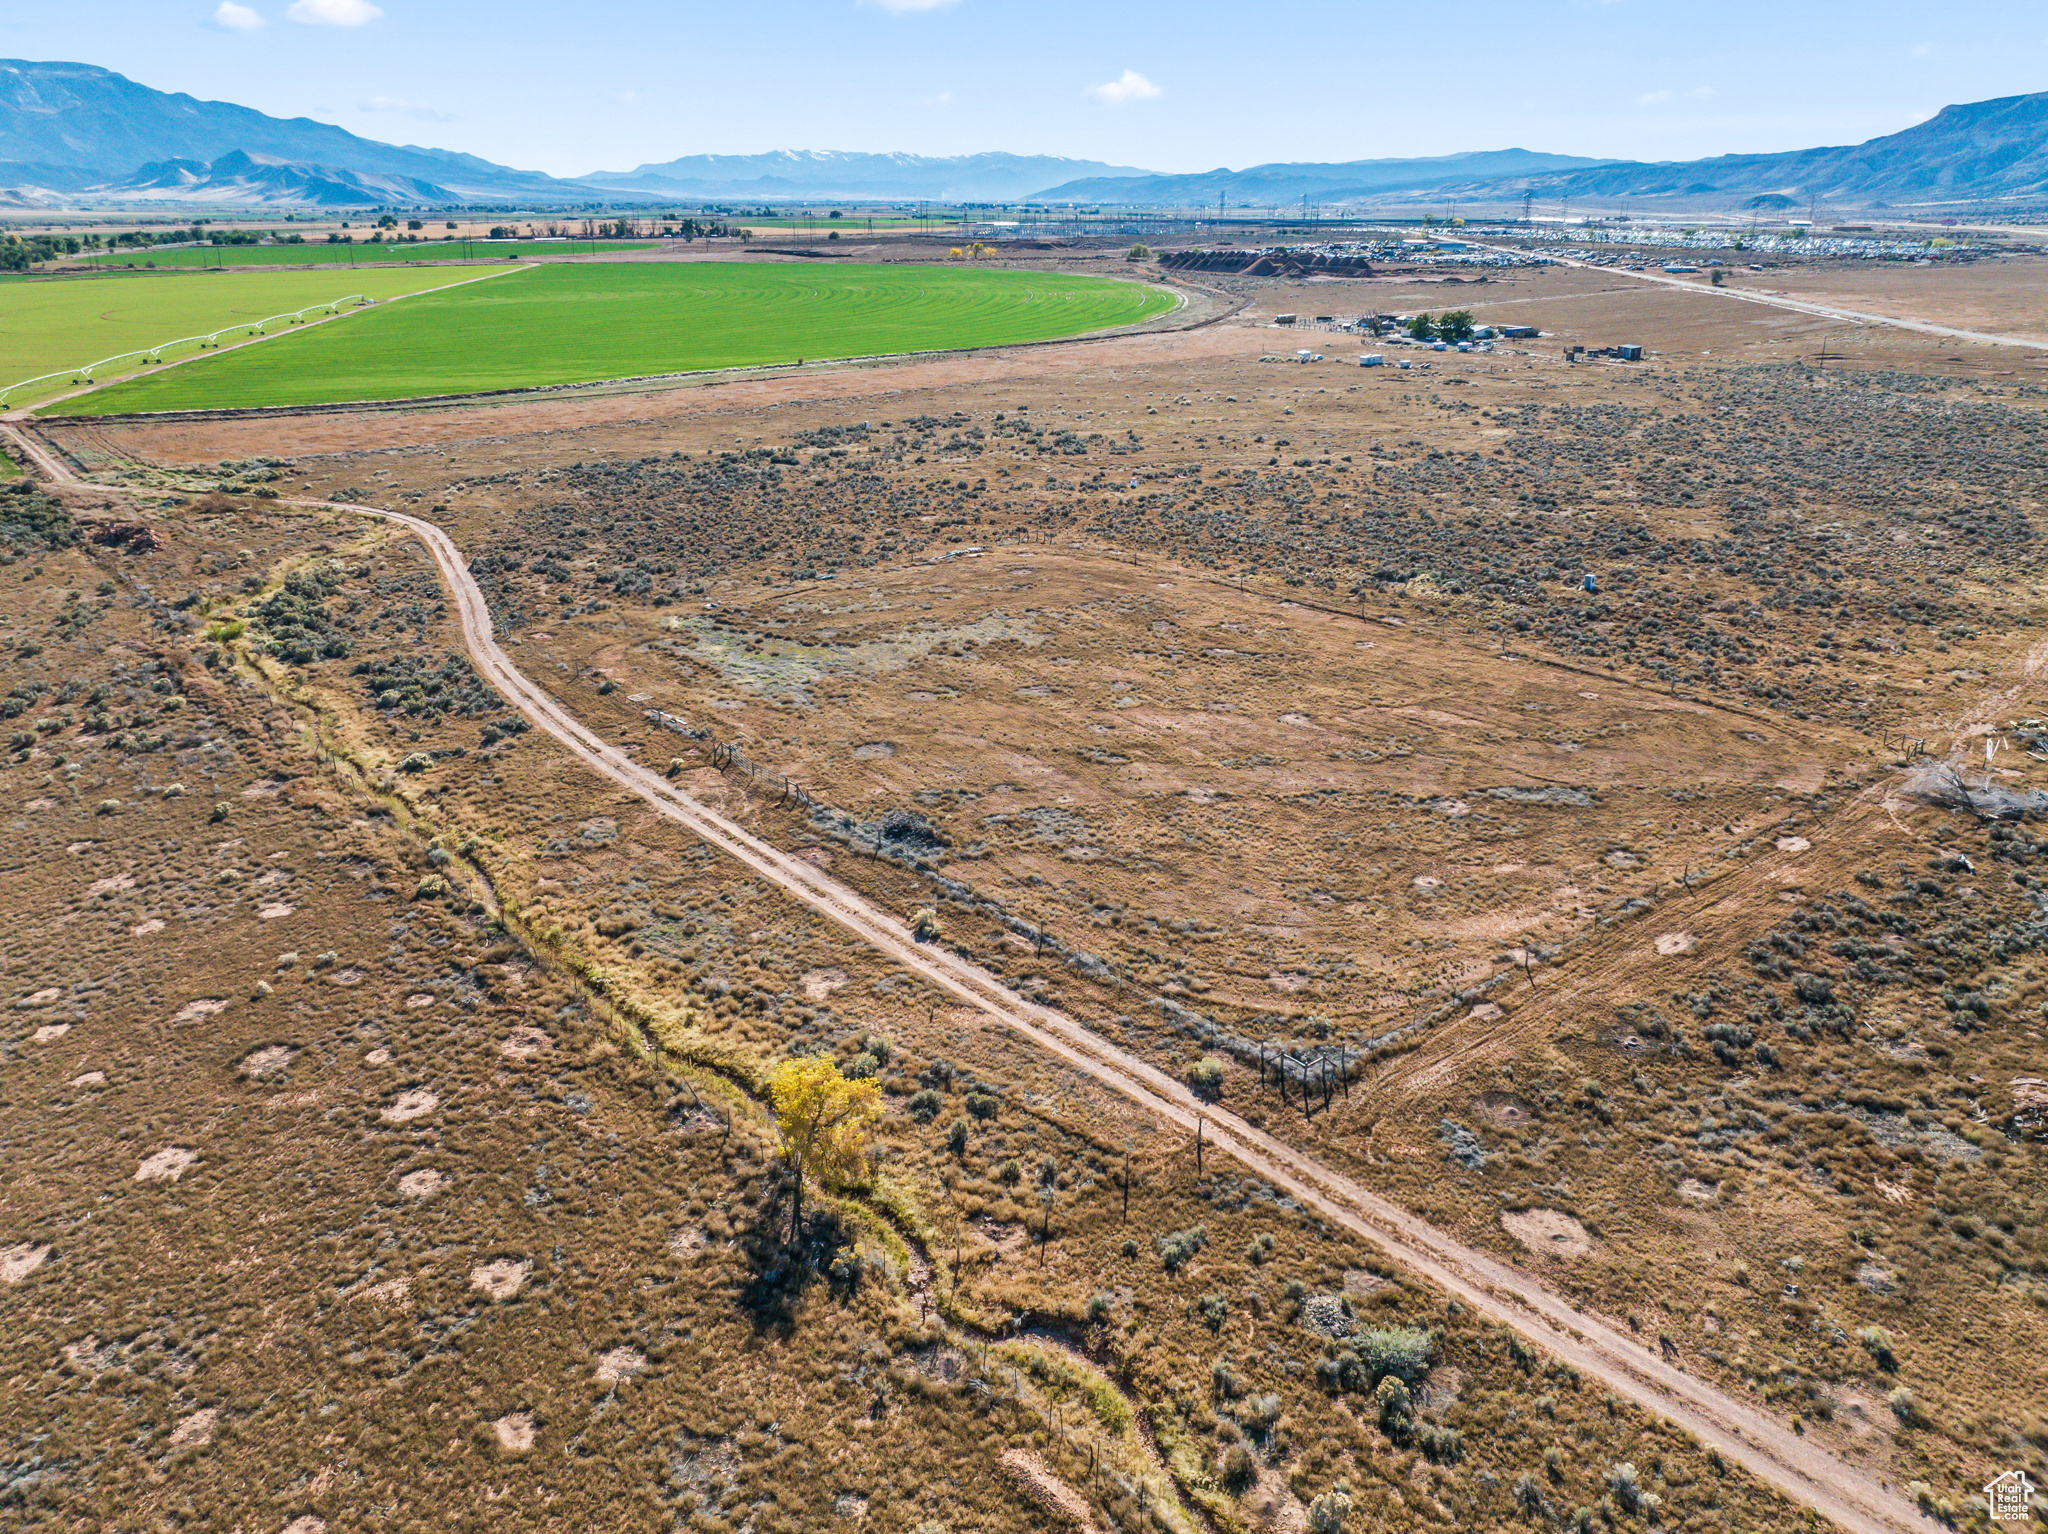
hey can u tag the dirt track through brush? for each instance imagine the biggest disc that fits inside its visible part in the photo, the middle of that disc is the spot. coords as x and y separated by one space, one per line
1849 1497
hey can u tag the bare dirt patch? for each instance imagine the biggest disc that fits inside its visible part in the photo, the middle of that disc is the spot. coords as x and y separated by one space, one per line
407 1106
514 1432
195 1430
619 1365
1549 1233
424 1183
17 1262
523 1044
821 983
501 1278
166 1165
270 1060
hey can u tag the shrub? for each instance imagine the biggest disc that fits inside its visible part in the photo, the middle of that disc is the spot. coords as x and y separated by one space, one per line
956 1137
1396 1408
1814 990
924 1105
1205 1078
1176 1249
924 924
862 1066
1628 1492
1402 1351
1530 1499
1098 1307
1237 1470
1440 1445
1009 1172
1130 1247
982 1105
1327 1513
1261 1412
1213 1308
1877 1342
1903 1406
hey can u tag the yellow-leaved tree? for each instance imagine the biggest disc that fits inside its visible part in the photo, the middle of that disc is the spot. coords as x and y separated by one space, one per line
822 1118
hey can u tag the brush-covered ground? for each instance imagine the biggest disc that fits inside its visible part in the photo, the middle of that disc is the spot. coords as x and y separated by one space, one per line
357 1178
1234 704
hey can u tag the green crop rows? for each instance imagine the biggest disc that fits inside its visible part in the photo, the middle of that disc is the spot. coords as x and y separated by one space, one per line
365 254
578 324
48 324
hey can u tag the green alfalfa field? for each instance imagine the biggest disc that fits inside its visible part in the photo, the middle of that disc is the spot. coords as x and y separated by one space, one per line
51 324
563 324
354 254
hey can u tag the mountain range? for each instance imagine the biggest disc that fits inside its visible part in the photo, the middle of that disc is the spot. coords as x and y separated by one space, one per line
1986 151
75 133
1269 186
892 177
76 128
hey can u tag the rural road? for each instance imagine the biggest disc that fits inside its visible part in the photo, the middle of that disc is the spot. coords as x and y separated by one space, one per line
1846 1495
1797 305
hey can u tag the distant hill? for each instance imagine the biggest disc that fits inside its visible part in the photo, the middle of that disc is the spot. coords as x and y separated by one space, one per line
237 179
1982 152
825 173
75 127
1272 186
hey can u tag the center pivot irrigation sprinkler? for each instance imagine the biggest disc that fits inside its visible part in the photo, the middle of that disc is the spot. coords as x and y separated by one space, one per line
155 354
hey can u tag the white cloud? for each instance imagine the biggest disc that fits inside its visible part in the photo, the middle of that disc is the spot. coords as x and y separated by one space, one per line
1128 86
1924 51
1663 98
409 108
943 99
901 7
333 13
230 17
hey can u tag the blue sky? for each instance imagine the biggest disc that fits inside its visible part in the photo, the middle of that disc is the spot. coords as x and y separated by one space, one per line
571 86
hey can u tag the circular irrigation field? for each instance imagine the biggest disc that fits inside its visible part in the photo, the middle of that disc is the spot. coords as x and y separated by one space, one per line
581 324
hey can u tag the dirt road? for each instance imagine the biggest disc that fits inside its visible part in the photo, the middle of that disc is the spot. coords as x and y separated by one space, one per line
1847 1496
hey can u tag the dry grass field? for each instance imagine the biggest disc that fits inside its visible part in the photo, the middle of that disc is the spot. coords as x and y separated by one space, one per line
1227 703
